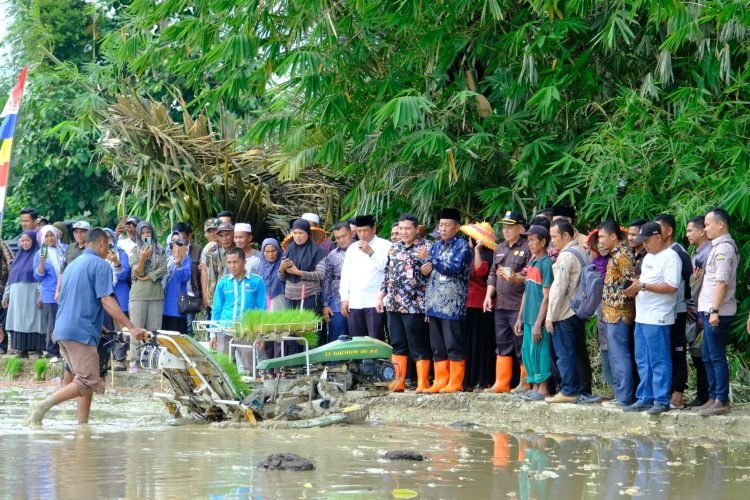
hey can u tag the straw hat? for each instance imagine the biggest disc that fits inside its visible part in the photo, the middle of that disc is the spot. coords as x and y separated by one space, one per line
482 232
318 235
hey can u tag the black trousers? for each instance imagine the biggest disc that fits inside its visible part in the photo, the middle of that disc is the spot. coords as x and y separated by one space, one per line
506 341
409 335
678 349
447 339
4 343
701 379
174 323
583 362
366 322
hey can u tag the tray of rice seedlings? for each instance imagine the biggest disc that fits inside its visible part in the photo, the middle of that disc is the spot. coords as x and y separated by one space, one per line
40 369
13 368
269 324
232 373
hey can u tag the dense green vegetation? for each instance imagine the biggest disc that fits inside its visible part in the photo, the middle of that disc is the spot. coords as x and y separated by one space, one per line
623 108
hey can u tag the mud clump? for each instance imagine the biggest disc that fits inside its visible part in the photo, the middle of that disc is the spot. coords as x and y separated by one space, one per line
412 456
286 461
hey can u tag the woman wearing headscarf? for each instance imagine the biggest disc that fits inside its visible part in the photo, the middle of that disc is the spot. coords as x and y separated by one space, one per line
21 299
303 269
270 260
179 271
48 265
148 264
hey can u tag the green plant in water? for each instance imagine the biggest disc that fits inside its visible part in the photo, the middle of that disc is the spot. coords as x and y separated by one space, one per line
40 369
226 364
13 368
303 323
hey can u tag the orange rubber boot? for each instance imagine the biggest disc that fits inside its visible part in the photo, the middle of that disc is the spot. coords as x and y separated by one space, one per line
442 377
399 364
503 372
423 374
458 368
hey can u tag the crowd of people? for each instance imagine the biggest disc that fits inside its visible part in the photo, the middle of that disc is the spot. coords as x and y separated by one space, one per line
461 310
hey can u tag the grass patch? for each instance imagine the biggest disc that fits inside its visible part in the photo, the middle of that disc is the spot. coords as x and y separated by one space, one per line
303 323
13 368
226 364
40 369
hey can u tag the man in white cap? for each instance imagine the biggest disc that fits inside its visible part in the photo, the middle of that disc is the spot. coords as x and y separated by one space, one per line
243 238
75 250
314 220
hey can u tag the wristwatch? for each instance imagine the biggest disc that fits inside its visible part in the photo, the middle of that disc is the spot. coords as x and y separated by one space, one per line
713 310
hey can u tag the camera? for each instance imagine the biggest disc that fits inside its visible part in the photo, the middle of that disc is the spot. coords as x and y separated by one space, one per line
111 247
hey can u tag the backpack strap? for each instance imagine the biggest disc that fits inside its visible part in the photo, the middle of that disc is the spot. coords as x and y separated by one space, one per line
578 256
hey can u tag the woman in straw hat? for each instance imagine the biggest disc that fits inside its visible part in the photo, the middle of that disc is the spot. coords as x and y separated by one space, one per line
480 325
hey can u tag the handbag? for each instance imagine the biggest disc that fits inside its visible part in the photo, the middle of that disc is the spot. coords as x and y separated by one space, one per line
189 305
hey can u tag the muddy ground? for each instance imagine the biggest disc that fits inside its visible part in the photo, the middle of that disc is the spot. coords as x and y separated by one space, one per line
488 411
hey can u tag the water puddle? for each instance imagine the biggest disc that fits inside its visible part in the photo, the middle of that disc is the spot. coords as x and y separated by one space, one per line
131 451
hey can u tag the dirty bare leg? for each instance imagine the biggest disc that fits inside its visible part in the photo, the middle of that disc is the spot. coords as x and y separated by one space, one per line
84 407
39 409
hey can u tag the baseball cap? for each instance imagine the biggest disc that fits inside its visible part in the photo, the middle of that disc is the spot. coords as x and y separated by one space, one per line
648 230
82 224
133 220
210 224
225 227
540 231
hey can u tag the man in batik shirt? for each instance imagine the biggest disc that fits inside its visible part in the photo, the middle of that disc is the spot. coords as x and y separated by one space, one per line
448 267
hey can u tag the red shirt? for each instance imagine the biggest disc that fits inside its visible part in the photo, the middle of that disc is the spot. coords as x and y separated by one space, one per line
478 285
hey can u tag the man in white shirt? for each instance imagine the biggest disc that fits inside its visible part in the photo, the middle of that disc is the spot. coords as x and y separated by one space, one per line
243 238
655 300
127 228
361 276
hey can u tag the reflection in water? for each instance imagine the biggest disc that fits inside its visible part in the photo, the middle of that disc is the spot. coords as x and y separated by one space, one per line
140 457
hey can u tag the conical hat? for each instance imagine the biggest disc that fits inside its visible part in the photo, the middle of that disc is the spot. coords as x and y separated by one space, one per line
318 235
481 231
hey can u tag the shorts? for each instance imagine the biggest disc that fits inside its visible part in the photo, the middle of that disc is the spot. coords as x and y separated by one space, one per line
83 360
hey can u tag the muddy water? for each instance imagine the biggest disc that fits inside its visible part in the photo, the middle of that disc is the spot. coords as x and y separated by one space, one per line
131 451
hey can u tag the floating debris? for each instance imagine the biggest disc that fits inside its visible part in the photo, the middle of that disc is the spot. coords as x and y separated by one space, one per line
404 455
286 461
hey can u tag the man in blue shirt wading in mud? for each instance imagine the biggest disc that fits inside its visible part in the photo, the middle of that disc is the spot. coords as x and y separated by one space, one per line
86 292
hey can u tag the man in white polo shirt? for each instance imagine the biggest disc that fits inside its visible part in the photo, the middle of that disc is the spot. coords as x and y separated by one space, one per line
361 277
655 299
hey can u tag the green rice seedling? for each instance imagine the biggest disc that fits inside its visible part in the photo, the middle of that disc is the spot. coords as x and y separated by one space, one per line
40 369
226 364
13 368
303 322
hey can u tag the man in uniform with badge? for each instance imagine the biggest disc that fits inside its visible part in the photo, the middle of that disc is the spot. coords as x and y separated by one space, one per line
505 280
